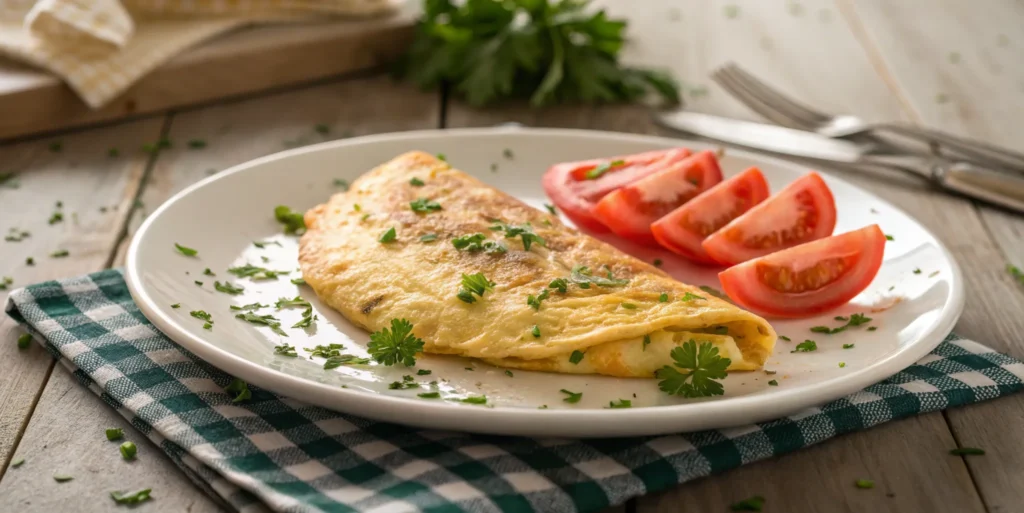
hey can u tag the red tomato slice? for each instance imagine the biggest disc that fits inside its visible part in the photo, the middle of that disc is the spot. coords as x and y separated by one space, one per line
686 227
575 194
810 278
628 212
802 212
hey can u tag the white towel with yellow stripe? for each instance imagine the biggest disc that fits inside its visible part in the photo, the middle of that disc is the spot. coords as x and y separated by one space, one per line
101 47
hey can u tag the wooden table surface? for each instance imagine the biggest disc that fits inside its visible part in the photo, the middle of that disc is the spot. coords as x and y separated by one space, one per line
950 64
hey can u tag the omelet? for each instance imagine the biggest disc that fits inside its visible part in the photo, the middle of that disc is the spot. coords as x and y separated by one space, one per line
399 242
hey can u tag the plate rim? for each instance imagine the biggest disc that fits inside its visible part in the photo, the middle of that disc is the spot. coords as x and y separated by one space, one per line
519 421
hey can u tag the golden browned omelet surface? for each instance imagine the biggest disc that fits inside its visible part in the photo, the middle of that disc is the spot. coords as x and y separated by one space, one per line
370 282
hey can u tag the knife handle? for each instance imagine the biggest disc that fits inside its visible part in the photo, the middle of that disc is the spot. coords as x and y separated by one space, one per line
995 187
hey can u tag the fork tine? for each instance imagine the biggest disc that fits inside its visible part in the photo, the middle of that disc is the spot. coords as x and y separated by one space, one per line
773 97
755 104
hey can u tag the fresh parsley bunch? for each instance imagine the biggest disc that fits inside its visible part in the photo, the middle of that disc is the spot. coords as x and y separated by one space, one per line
701 367
550 51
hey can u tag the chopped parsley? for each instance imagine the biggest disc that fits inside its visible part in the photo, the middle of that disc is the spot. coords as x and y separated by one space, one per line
889 237
482 399
131 497
17 462
208 272
423 372
967 451
872 328
24 340
842 364
240 389
787 339
286 350
507 153
864 484
703 365
128 450
424 205
249 307
534 301
429 395
551 208
535 331
5 281
266 320
307 319
523 231
773 383
472 284
389 236
430 237
114 434
338 182
16 235
30 261
687 297
197 144
56 217
441 157
344 359
755 503
62 478
576 357
647 342
628 306
621 403
293 222
805 347
228 288
478 242
582 276
255 272
400 385
264 243
917 270
198 283
204 316
855 320
60 253
1010 268
602 168
298 281
573 397
847 346
508 373
560 285
933 274
397 345
416 182
326 351
288 303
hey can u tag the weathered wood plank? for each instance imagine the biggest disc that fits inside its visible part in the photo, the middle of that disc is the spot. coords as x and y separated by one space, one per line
959 69
97 191
233 133
788 46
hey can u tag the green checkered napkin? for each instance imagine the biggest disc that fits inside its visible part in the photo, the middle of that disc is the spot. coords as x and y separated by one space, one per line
277 453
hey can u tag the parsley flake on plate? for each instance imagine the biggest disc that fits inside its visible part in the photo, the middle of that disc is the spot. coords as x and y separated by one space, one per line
62 478
397 345
298 281
249 307
481 399
599 170
687 297
293 222
60 253
198 283
551 208
576 357
344 359
773 383
476 284
855 320
917 270
755 503
389 236
128 450
307 319
325 351
228 288
24 340
621 403
429 395
423 372
702 366
17 462
573 397
399 385
208 272
343 184
965 451
805 347
114 434
185 250
265 320
288 303
842 364
240 389
647 341
197 144
523 231
264 243
424 205
1013 270
286 350
864 484
478 242
847 346
131 497
255 272
202 315
663 298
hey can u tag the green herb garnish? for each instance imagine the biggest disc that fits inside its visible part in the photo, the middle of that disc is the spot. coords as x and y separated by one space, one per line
298 281
773 383
196 144
249 307
628 306
535 331
703 365
523 231
573 397
478 242
202 315
114 434
255 272
266 320
917 270
265 243
647 342
482 399
967 451
424 205
582 276
293 222
534 301
24 340
389 236
228 288
128 450
755 503
344 359
423 372
472 284
399 385
62 478
240 389
576 357
286 350
847 346
17 462
805 347
343 184
131 497
551 209
395 345
621 403
416 182
559 284
429 395
60 253
864 484
322 129
602 168
298 301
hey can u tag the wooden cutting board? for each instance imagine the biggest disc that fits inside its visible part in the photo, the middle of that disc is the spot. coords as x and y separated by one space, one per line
245 61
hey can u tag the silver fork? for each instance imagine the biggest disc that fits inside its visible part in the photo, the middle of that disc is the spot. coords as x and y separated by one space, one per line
780 109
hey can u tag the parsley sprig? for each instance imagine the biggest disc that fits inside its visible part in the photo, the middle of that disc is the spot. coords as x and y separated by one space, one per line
472 284
293 222
702 366
397 345
551 51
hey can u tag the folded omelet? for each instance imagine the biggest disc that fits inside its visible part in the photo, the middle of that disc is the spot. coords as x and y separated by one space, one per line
619 315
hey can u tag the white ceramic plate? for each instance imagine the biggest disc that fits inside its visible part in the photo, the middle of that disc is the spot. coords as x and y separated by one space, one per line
222 215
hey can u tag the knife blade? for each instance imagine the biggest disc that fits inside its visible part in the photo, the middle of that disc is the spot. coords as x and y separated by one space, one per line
760 136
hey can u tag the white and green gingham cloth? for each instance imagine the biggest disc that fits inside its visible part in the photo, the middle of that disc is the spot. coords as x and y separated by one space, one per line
275 453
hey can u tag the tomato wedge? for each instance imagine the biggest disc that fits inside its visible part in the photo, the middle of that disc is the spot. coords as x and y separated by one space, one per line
683 230
628 212
575 187
810 278
802 212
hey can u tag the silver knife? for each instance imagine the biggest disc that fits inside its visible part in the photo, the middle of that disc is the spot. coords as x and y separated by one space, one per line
982 184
